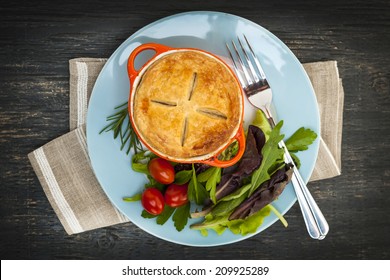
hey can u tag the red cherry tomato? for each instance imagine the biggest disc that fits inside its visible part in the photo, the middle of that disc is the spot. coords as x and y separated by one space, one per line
162 171
176 195
153 201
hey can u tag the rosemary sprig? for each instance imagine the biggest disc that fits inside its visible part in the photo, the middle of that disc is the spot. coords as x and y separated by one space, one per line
120 125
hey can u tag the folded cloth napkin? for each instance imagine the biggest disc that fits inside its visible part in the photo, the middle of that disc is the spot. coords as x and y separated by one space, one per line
329 91
65 173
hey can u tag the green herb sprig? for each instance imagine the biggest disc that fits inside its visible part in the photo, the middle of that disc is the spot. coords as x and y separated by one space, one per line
120 125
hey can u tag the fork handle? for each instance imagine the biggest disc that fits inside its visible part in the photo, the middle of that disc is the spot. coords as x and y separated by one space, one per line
315 221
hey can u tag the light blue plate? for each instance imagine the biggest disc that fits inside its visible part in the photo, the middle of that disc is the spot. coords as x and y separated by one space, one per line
294 100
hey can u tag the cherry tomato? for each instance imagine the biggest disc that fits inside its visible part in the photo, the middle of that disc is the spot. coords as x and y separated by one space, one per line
176 195
153 201
162 171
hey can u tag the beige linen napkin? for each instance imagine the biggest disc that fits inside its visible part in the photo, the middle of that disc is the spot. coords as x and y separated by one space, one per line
328 87
65 173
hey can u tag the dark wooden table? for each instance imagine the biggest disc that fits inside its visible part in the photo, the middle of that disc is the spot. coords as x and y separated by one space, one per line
39 37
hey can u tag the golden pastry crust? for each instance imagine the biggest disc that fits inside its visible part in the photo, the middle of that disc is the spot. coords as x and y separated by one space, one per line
187 105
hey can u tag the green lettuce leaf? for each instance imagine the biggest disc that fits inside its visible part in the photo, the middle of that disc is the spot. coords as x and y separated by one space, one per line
300 140
262 122
218 224
250 224
241 226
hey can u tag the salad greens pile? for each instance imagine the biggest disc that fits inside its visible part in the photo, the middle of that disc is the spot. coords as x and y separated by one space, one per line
239 197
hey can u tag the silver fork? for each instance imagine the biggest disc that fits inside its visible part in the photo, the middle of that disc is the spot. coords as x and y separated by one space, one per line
254 82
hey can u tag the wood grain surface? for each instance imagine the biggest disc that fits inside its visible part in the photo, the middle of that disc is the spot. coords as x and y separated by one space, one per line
39 37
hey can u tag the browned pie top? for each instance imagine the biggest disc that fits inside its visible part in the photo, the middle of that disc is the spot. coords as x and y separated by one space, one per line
187 105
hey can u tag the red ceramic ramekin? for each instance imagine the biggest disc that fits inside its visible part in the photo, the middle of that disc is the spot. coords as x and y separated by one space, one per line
135 78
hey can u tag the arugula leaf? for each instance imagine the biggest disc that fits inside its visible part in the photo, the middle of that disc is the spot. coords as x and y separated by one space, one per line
228 206
212 182
205 175
181 215
300 140
271 153
196 191
183 177
136 197
241 192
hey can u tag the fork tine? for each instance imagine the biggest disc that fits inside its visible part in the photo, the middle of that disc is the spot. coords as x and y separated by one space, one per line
238 72
249 62
244 69
257 62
